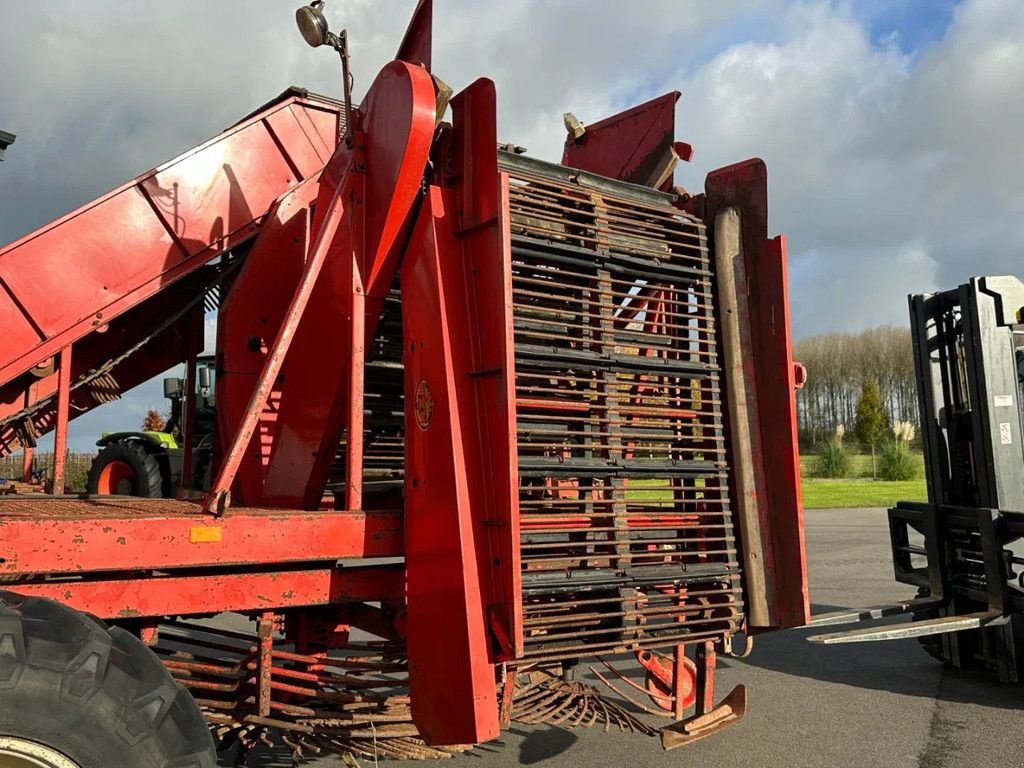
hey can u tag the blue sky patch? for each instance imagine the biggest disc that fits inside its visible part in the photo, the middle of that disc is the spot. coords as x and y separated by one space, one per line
912 24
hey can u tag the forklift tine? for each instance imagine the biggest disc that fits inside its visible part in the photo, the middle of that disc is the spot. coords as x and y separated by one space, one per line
856 615
938 626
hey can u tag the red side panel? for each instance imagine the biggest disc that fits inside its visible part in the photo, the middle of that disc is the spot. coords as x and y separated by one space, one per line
418 41
450 672
249 320
103 269
320 389
769 364
75 536
637 145
163 351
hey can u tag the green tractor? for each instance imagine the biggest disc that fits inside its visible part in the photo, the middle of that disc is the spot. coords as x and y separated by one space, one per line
150 463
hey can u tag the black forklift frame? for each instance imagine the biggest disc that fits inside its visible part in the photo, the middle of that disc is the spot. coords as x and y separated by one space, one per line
956 548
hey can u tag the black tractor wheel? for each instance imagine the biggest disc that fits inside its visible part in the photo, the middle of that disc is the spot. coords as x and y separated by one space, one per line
74 694
125 468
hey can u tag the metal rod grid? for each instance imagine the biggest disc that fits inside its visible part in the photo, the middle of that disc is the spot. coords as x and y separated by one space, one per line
628 539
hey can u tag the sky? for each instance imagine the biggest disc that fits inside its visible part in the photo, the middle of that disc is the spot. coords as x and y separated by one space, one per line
889 127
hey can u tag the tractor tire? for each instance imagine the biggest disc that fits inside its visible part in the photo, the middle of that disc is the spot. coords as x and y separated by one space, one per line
74 694
125 468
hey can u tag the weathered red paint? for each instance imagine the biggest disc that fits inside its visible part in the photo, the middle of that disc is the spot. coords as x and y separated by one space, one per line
202 593
83 270
119 534
638 145
396 124
60 437
769 362
331 226
450 675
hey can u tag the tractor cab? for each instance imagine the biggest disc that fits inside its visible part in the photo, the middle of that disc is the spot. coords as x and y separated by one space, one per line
152 463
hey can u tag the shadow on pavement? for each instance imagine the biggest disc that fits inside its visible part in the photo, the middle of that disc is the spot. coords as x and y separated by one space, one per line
897 666
542 743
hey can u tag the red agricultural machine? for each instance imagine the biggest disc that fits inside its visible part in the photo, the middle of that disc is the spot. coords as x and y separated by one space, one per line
483 423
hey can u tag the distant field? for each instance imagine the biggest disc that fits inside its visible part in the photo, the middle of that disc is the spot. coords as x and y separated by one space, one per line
836 494
860 465
859 490
76 469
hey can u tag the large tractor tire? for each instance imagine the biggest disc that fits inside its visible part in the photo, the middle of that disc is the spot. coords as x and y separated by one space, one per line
125 468
74 694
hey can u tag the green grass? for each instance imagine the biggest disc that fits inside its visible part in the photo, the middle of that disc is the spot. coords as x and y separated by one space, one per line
837 494
859 490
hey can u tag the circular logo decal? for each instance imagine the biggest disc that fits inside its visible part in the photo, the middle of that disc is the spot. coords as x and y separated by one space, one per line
424 405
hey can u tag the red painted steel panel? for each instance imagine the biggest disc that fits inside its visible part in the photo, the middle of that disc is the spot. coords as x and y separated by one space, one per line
72 272
770 361
19 333
326 124
397 123
93 264
480 261
418 42
450 675
73 536
249 321
636 145
292 129
184 595
207 196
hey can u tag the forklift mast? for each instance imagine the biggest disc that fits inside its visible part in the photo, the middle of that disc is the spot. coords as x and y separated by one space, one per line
962 548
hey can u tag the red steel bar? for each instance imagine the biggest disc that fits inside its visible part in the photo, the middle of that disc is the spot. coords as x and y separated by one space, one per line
264 661
60 439
76 536
184 595
218 498
356 381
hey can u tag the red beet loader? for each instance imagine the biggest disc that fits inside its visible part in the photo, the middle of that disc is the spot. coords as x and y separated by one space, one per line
488 428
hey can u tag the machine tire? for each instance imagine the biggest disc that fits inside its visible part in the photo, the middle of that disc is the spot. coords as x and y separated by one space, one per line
96 696
126 462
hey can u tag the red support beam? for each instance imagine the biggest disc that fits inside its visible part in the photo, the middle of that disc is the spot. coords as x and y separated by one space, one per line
60 439
770 374
183 595
120 534
26 463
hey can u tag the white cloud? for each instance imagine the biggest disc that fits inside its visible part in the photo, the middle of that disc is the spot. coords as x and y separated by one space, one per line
890 172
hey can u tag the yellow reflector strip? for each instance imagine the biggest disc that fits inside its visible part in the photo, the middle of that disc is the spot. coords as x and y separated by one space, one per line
205 534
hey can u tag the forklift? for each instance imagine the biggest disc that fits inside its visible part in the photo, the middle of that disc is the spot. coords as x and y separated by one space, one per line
964 548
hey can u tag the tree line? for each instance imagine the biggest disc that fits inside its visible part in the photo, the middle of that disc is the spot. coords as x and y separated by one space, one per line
839 364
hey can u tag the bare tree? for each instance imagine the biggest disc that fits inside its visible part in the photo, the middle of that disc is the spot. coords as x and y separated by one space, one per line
838 365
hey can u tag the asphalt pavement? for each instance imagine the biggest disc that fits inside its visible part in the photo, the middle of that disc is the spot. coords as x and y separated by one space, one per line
863 705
